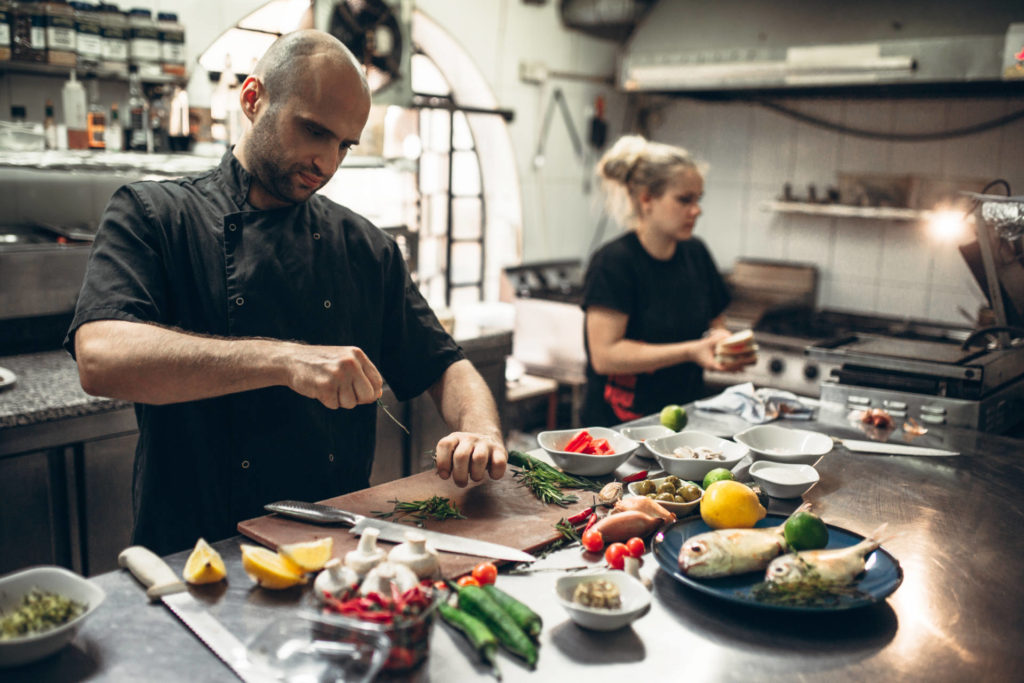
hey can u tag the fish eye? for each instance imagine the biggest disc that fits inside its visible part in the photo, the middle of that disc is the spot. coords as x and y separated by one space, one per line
696 547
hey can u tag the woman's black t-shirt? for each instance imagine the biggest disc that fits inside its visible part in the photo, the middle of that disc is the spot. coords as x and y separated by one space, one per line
666 301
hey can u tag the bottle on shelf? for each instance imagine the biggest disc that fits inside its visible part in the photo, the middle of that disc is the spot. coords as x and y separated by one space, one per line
75 113
50 127
178 127
96 118
140 137
115 133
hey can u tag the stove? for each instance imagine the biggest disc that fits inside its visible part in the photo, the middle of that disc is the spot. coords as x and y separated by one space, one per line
935 381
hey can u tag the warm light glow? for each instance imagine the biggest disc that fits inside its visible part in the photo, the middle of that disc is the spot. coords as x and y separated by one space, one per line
947 226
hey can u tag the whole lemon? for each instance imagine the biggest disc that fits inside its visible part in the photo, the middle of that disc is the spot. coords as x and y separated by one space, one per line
674 417
730 505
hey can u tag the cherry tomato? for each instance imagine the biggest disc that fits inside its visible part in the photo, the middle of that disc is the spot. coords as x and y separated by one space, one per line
615 555
468 580
636 546
485 572
592 540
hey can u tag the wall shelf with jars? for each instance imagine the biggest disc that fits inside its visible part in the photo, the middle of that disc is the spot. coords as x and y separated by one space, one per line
887 213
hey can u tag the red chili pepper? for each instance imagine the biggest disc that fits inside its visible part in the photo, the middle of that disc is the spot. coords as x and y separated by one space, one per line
590 522
579 443
636 476
581 516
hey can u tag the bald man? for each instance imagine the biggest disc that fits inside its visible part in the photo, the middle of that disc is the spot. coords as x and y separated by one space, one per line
253 322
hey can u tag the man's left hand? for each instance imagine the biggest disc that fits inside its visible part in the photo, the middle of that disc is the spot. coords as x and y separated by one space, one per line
462 456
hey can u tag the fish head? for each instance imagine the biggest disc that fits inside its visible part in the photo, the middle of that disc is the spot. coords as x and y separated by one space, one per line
702 556
785 569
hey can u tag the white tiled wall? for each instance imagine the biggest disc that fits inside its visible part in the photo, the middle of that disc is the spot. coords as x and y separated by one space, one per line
885 267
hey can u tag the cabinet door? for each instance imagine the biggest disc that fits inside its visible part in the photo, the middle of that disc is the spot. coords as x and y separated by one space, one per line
33 511
106 488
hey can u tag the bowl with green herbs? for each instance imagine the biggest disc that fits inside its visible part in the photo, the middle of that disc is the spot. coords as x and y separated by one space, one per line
41 609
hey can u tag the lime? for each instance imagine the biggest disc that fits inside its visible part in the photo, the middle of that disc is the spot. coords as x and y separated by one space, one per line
674 417
717 474
805 531
730 505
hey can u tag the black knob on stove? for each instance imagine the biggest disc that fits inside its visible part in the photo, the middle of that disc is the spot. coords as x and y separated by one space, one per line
776 366
811 371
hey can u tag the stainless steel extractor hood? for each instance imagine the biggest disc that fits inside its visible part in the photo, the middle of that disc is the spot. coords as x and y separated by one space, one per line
707 45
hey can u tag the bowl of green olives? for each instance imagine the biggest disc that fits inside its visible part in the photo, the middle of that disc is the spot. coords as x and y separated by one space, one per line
678 496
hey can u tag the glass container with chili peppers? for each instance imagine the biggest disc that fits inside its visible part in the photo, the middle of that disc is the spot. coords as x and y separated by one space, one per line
406 619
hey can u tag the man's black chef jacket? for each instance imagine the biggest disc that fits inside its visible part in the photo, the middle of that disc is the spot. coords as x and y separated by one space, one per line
193 254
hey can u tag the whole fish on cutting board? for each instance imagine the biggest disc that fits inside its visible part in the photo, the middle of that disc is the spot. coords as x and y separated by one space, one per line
839 566
726 552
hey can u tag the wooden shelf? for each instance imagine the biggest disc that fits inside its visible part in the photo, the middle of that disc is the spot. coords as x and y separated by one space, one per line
41 69
844 211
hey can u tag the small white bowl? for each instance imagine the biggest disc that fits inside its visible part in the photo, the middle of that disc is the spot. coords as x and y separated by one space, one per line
783 480
580 463
780 444
635 601
678 509
641 434
17 585
691 469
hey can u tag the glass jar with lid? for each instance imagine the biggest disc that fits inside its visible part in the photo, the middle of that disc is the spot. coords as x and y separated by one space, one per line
89 39
6 17
28 37
61 34
172 44
114 32
144 44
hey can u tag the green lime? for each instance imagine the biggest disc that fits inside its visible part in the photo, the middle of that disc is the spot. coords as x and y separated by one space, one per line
717 474
805 531
674 417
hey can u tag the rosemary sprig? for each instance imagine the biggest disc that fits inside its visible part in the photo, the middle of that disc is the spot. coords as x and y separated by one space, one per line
393 418
567 536
546 482
434 507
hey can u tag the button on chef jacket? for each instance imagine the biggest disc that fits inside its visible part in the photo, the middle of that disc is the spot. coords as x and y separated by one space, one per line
193 254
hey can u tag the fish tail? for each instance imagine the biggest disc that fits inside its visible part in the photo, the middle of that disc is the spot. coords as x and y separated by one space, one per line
878 535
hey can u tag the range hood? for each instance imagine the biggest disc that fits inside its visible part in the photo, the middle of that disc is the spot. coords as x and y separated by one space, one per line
708 45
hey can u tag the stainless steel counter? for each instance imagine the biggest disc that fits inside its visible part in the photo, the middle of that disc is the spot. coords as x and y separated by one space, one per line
956 617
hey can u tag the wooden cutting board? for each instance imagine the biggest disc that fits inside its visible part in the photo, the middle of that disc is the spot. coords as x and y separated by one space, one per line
500 511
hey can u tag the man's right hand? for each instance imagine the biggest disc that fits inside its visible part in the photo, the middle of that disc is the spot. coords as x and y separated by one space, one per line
337 376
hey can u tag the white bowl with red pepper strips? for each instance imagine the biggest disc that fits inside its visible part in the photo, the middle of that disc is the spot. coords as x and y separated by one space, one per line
555 442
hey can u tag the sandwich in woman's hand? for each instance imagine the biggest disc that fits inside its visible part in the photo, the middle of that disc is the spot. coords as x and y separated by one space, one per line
737 350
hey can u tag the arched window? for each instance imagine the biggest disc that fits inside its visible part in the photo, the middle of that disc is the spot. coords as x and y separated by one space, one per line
427 170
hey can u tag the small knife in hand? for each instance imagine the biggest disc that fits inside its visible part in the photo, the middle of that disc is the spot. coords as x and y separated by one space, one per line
392 531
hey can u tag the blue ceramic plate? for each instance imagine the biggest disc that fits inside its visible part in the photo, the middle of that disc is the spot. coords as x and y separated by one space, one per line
881 577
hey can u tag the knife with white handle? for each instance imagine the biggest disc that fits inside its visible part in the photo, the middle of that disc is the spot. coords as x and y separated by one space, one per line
163 584
892 448
392 531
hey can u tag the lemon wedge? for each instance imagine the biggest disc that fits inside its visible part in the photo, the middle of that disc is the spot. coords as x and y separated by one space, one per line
269 569
204 565
309 556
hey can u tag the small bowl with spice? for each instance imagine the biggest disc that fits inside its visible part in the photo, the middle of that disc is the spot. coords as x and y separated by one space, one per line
603 601
691 454
589 452
41 609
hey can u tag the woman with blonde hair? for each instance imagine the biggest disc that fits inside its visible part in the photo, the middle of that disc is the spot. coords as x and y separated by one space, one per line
653 297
